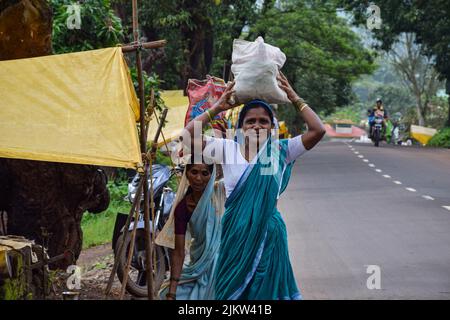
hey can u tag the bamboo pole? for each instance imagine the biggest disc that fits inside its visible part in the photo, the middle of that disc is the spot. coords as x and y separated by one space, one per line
136 47
144 45
143 138
133 234
150 158
134 208
152 200
130 252
153 112
159 130
125 239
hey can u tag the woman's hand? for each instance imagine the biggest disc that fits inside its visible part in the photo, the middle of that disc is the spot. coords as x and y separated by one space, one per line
169 297
316 129
224 102
286 86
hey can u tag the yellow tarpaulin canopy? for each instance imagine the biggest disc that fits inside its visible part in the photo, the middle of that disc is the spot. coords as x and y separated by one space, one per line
177 104
73 108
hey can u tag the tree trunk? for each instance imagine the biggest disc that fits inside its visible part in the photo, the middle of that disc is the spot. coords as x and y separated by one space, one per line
53 196
25 29
38 194
198 44
420 117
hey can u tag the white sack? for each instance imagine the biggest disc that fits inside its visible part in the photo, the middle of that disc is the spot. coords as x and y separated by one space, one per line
255 68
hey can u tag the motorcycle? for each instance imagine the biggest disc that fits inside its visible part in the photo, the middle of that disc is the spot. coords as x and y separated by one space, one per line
377 130
164 198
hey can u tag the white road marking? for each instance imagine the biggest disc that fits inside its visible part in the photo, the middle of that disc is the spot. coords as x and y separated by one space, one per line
356 152
360 156
371 165
387 176
365 160
428 197
397 182
446 207
378 170
411 189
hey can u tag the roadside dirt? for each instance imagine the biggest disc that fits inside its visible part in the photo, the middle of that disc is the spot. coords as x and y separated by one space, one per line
96 264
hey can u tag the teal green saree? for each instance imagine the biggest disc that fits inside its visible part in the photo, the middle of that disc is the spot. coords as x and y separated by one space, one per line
197 277
253 262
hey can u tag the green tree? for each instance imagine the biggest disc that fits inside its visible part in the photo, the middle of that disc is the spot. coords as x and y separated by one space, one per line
324 56
354 113
417 73
199 34
231 18
395 98
99 27
427 19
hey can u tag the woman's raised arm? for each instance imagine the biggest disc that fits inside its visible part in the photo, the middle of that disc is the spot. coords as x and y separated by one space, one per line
316 129
221 105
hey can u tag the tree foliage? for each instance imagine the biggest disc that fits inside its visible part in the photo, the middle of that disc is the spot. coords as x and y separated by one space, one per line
99 28
199 34
324 56
441 139
416 72
354 113
396 99
428 20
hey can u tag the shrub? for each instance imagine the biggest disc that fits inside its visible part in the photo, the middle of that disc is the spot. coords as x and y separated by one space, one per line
441 139
97 228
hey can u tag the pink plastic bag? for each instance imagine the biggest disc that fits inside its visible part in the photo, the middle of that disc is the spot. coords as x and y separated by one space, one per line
202 95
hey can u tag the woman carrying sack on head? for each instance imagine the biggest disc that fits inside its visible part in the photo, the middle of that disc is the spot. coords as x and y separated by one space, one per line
196 215
253 259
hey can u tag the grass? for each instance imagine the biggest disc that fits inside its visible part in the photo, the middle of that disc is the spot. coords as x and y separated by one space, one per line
98 228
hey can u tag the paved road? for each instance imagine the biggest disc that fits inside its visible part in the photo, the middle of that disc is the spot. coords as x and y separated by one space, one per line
343 215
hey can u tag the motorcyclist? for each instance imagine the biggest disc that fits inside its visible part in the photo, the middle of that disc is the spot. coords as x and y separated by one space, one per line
378 110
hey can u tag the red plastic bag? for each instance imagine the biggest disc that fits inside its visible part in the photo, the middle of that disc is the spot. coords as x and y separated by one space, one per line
202 95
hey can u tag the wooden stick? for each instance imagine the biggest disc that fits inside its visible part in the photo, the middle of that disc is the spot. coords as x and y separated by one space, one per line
130 253
143 138
158 131
144 45
152 106
152 201
137 199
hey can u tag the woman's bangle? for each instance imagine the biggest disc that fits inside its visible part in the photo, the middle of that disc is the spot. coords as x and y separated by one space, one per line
171 295
300 104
